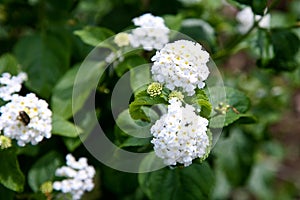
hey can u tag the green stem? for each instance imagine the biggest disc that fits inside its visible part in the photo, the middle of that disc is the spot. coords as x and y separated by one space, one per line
232 46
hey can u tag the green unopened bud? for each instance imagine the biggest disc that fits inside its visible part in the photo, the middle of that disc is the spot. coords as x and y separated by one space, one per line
154 89
46 188
122 39
176 94
5 142
222 108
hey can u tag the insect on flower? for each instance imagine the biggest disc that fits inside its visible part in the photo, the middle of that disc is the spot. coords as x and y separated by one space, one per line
24 118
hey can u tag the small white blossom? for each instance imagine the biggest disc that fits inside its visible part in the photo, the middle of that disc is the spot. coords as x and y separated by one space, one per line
180 135
31 126
246 19
151 32
114 57
79 177
181 64
11 84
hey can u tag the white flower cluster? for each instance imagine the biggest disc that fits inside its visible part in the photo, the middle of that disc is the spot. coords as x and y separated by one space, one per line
151 32
246 19
11 84
180 135
79 177
181 64
26 119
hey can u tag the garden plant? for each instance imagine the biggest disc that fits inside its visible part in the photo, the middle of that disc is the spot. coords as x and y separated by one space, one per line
149 99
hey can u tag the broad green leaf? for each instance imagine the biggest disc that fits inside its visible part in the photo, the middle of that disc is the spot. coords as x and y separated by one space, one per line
119 182
143 99
238 104
135 142
140 77
44 170
259 6
281 19
62 127
285 43
203 101
173 22
129 62
45 61
136 128
10 174
6 193
62 102
29 150
8 63
94 35
189 183
87 122
199 30
237 158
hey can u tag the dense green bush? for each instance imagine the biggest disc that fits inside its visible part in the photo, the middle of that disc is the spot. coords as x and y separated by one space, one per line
62 46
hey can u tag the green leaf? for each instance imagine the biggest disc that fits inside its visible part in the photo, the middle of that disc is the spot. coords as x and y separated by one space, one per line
143 99
62 127
189 183
286 43
44 170
94 35
199 30
44 58
62 102
10 174
128 63
237 158
6 193
173 22
135 142
135 127
204 103
239 104
87 121
246 2
8 63
140 77
282 19
120 183
259 6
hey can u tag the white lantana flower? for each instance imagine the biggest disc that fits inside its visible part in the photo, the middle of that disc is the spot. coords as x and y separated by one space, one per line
26 119
114 57
246 19
180 135
79 177
181 65
11 84
151 32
